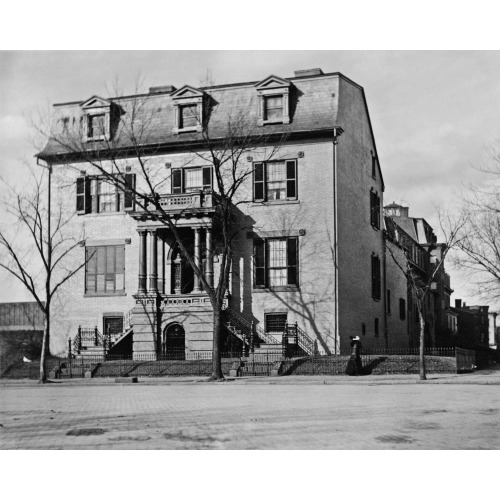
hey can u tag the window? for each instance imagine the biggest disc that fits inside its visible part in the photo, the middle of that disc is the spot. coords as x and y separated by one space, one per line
99 194
273 108
273 100
275 181
188 109
188 116
376 328
376 277
275 322
363 329
374 209
104 269
96 126
275 262
402 309
388 302
188 180
96 119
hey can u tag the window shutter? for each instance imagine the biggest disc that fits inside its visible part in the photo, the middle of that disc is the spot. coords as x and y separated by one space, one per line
372 207
292 261
80 195
291 179
258 182
259 252
377 211
376 277
176 180
88 197
129 191
207 178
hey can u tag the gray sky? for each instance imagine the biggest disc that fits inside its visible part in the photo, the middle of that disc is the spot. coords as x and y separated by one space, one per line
433 113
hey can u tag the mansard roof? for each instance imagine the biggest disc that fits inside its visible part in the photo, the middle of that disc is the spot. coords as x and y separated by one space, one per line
317 106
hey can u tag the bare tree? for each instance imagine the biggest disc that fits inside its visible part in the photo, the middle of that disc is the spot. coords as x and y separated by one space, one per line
134 139
420 281
479 248
35 247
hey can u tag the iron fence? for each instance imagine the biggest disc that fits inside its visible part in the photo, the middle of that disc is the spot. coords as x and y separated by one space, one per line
261 363
172 364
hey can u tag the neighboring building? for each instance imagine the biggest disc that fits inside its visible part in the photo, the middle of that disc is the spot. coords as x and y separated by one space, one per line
21 332
413 239
21 316
323 192
474 325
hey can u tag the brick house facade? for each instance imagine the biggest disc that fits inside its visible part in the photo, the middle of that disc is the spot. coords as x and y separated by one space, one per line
316 204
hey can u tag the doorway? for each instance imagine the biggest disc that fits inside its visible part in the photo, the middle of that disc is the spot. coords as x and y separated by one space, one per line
174 342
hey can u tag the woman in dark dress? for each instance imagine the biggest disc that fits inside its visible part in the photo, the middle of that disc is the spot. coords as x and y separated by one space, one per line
354 366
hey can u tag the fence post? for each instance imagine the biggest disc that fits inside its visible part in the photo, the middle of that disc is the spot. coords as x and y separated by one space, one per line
252 338
96 342
78 346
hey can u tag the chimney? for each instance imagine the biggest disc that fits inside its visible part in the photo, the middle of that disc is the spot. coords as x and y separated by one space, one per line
458 303
162 89
309 72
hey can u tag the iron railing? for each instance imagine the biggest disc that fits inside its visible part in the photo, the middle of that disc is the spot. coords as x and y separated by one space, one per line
294 334
89 337
249 329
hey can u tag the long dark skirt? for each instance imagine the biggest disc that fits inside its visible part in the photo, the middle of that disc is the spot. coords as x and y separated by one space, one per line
354 366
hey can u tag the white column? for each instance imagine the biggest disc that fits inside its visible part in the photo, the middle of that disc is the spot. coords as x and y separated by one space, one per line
197 258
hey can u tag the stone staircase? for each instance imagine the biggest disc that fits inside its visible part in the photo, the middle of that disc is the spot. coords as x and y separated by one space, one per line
258 342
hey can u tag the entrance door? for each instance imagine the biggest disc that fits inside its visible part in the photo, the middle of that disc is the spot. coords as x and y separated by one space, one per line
174 342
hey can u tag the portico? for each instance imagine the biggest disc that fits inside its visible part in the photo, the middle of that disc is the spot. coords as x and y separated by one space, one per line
170 296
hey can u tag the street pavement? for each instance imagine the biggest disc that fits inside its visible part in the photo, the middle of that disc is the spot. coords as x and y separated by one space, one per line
304 413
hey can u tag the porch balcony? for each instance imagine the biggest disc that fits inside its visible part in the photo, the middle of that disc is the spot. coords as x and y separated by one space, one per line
194 202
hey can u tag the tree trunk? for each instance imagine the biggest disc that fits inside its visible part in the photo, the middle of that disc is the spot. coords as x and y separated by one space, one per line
216 354
422 345
45 349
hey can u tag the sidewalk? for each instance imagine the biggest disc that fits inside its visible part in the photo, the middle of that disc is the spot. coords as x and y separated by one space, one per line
490 376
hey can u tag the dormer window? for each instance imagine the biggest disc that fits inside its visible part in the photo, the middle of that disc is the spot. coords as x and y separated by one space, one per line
274 99
273 108
96 126
188 109
188 116
97 119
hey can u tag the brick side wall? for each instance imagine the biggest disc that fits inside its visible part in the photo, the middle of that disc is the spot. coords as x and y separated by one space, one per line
357 238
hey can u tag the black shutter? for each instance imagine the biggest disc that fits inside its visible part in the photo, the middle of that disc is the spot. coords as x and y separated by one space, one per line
80 195
258 182
372 207
292 261
259 255
88 198
176 180
207 178
375 277
129 191
377 211
291 179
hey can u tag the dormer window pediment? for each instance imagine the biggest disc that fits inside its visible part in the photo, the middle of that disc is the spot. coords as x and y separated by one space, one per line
96 119
188 109
274 100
